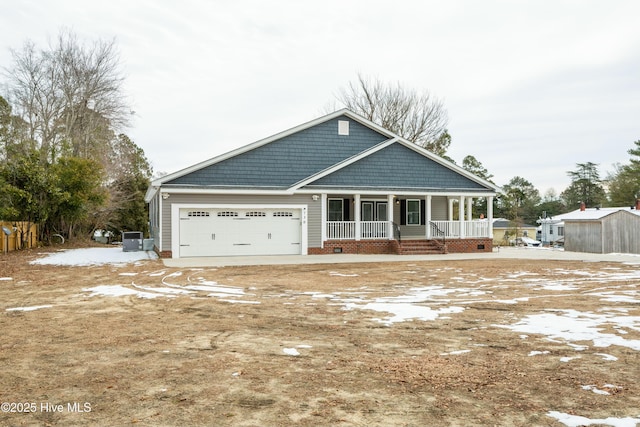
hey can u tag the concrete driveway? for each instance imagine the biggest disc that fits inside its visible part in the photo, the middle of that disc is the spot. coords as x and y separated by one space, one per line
502 253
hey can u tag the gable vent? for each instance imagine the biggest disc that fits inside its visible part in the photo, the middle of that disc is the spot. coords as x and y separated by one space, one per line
343 127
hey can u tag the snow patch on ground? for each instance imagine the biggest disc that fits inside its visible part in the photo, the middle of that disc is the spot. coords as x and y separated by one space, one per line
32 308
577 421
572 325
93 256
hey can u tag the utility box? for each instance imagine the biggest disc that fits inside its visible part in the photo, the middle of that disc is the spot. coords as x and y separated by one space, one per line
147 245
131 241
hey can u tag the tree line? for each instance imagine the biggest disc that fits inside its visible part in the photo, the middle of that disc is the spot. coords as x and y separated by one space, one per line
421 118
65 162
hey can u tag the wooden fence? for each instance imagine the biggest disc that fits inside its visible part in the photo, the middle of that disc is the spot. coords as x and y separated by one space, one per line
23 235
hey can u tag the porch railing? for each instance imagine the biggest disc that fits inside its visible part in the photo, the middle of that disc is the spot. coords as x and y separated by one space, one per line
341 230
451 229
346 230
374 229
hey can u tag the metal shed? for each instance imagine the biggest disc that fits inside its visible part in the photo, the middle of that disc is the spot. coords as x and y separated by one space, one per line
609 230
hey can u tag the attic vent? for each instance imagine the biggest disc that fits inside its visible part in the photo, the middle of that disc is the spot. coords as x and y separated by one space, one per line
226 213
343 127
198 213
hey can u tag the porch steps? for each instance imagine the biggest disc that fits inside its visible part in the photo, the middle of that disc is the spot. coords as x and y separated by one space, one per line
421 247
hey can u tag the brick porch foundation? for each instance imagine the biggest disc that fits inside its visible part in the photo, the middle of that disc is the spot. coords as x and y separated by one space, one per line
393 247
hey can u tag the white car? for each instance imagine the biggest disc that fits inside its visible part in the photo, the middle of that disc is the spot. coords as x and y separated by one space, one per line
526 241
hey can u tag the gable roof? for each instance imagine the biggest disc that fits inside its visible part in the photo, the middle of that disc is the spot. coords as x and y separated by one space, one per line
593 214
397 167
314 154
596 214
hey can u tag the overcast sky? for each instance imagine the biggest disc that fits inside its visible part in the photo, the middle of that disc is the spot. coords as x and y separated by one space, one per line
531 87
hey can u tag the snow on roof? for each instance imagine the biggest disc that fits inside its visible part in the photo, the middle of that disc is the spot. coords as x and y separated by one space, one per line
592 213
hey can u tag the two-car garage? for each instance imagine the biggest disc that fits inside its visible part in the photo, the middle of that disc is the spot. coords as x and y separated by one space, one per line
237 230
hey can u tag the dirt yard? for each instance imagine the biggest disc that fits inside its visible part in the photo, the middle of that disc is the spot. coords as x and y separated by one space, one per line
433 343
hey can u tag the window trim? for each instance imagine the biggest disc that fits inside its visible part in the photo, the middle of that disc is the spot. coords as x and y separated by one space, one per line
409 212
341 209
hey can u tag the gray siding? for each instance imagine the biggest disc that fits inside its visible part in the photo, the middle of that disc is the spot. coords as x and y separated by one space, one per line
313 211
154 218
623 230
397 167
439 207
288 160
615 233
583 236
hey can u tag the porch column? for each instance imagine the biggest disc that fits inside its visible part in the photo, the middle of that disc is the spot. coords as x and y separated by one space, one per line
461 216
390 216
490 216
323 219
356 215
469 209
427 217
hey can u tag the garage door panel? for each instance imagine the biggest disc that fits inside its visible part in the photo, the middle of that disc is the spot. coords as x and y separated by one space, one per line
196 233
229 232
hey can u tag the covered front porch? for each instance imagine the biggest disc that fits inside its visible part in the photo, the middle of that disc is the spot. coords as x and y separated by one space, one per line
404 217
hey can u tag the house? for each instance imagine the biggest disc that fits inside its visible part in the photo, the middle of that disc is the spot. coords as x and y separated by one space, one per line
603 230
551 230
339 183
506 231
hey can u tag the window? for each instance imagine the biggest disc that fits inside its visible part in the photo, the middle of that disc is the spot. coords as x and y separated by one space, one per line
227 213
560 231
198 213
255 214
550 229
413 212
335 210
283 214
343 127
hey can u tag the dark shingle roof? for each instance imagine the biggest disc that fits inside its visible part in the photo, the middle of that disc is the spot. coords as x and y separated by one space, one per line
288 160
397 167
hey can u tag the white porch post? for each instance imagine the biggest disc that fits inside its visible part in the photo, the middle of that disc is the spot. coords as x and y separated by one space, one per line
490 216
427 221
469 209
323 219
356 214
390 216
461 216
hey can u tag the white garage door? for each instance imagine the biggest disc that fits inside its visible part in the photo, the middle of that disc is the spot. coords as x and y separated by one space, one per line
232 231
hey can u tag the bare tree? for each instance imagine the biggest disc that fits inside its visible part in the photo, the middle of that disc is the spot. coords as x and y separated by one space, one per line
417 117
33 89
69 95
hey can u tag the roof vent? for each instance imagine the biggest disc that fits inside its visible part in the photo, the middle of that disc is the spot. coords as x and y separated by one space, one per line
343 127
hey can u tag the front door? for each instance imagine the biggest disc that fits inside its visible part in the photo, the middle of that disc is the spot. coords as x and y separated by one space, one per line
373 211
381 211
367 213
